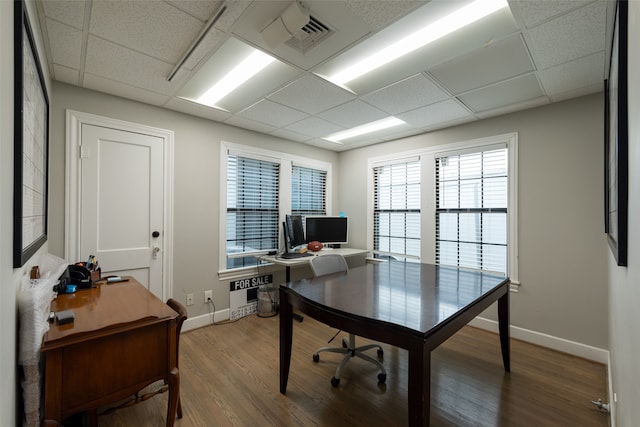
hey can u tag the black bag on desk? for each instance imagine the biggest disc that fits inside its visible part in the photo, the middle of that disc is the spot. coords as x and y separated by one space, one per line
75 275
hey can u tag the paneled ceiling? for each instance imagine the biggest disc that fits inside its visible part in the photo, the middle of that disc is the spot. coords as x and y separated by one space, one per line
533 53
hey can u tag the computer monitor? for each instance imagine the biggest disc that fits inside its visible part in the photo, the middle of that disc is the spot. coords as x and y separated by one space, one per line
328 230
293 231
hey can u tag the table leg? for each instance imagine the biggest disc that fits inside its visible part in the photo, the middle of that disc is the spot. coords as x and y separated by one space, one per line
419 393
286 338
503 326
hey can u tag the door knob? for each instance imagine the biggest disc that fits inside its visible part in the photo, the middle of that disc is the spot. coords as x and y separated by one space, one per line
155 234
155 252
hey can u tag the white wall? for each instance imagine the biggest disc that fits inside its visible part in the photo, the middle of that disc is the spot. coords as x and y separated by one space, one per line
624 283
562 246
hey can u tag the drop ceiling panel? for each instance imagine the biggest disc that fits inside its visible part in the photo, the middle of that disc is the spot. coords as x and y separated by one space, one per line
198 110
199 9
314 127
407 94
573 75
70 12
444 111
66 75
245 123
536 12
572 36
502 94
287 134
66 45
379 14
154 28
116 88
311 95
498 61
116 63
272 113
352 114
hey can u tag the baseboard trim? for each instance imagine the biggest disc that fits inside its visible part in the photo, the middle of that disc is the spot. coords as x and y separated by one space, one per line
205 320
560 344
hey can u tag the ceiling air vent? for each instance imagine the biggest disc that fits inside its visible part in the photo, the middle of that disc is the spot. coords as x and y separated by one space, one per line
309 36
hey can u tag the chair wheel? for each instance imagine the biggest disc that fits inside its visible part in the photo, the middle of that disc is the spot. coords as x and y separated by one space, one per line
335 381
380 355
382 378
316 358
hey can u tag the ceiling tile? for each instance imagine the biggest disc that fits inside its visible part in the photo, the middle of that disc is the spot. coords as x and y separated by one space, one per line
65 44
70 12
407 95
352 114
244 123
504 93
538 11
147 26
573 75
196 109
574 35
119 89
202 10
311 95
272 113
116 63
66 75
500 60
379 14
443 111
314 127
287 134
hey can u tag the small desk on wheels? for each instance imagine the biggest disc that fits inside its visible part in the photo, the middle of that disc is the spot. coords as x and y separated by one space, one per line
409 305
123 338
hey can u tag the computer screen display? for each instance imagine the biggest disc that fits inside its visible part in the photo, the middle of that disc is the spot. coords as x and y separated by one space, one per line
293 231
328 230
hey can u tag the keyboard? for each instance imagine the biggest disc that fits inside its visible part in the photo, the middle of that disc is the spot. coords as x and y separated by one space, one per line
294 255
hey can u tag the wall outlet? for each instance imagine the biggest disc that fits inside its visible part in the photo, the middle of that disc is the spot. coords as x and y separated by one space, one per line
208 296
189 299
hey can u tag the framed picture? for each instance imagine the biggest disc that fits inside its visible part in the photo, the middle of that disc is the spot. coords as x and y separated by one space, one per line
616 139
31 145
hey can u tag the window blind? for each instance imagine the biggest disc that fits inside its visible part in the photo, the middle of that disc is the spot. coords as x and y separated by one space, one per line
471 210
252 209
308 191
396 215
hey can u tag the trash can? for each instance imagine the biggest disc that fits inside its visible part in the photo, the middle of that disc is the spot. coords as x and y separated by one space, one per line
267 301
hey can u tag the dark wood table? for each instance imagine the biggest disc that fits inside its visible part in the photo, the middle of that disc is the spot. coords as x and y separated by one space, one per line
123 338
409 305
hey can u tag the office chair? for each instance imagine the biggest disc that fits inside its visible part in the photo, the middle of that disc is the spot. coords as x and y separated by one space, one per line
335 263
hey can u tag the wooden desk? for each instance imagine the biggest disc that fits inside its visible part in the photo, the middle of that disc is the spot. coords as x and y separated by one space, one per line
409 305
123 339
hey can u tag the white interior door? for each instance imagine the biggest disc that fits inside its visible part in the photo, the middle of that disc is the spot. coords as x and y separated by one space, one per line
121 203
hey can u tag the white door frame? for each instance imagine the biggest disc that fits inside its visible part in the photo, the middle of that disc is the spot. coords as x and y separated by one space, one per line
75 120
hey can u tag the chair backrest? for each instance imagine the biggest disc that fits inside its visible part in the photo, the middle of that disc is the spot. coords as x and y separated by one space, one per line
328 264
182 316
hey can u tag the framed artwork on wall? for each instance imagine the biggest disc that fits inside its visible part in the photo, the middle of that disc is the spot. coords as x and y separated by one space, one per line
616 139
31 144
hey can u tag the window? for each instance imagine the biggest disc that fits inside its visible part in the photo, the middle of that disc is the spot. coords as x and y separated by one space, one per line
259 188
471 210
252 208
453 204
396 211
308 191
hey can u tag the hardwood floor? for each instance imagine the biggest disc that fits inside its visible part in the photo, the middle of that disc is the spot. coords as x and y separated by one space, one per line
229 377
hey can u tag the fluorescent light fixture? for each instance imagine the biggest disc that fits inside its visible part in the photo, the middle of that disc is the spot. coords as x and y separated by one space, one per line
249 67
442 27
364 129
